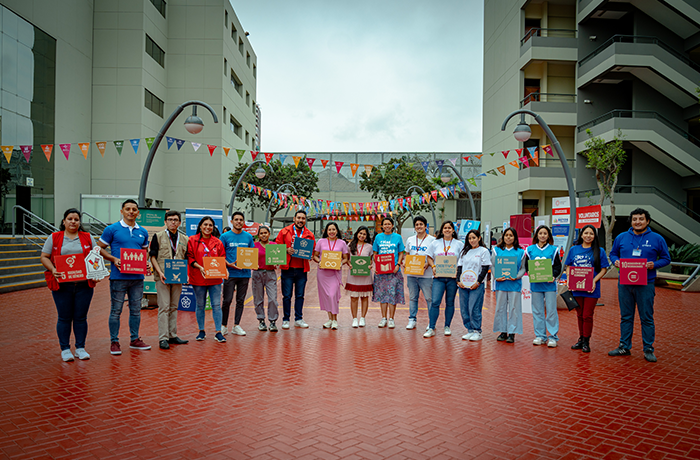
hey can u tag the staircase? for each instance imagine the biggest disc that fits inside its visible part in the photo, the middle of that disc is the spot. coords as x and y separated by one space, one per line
20 267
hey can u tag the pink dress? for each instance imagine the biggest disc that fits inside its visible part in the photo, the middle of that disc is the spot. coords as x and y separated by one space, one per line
360 286
329 281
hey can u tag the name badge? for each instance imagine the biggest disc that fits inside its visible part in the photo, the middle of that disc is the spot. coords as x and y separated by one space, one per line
637 252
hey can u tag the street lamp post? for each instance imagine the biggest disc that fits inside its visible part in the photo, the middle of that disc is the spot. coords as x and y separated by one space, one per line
432 205
466 185
193 124
281 187
522 133
260 173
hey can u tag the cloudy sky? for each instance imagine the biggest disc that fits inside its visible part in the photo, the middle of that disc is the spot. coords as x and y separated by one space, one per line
357 76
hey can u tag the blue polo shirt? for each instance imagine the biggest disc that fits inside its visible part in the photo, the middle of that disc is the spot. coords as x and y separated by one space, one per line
232 241
118 236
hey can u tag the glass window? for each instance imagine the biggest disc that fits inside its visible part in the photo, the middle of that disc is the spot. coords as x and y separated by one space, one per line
234 33
155 51
247 59
241 47
236 127
153 104
236 82
226 19
247 98
255 71
225 66
160 6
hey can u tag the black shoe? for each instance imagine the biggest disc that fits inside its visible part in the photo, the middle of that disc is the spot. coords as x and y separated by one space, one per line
511 338
649 356
164 345
178 341
578 345
502 337
262 327
273 326
586 347
620 351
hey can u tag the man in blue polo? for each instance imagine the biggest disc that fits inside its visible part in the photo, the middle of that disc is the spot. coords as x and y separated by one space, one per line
125 234
238 279
639 242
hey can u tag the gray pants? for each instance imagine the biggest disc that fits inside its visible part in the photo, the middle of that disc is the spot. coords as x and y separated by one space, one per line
265 281
168 301
509 313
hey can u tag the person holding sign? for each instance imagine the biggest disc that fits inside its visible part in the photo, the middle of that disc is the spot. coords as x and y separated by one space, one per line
166 246
473 266
388 287
360 287
446 247
639 243
204 245
72 298
238 277
585 254
508 266
265 280
125 234
330 253
417 246
543 264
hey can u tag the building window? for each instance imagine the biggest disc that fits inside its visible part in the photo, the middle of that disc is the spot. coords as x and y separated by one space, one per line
247 98
247 59
226 19
153 104
253 108
247 137
160 6
225 66
236 127
234 33
155 51
224 117
236 82
240 46
255 71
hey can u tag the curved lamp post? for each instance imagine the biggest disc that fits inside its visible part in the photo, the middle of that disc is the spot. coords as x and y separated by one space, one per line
466 185
522 133
193 124
281 187
260 173
432 205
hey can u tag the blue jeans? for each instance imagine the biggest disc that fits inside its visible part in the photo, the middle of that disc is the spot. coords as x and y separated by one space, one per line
415 285
448 287
200 292
72 303
134 290
643 296
470 304
540 322
293 279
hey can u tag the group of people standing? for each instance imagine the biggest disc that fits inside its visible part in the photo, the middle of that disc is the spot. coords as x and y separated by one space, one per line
474 261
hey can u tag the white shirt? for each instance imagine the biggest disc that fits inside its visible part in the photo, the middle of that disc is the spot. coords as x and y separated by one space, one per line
419 247
471 264
445 248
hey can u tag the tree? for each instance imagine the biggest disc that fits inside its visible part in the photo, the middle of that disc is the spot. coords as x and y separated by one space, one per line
607 159
302 177
438 184
395 183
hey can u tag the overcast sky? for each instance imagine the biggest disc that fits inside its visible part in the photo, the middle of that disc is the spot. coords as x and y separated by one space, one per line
359 76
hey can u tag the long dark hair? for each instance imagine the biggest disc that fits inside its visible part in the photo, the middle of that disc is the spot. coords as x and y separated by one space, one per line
199 226
62 227
516 242
467 247
353 243
595 245
451 224
337 229
536 240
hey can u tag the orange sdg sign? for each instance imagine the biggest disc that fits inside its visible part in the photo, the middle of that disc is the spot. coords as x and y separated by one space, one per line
415 265
247 258
215 267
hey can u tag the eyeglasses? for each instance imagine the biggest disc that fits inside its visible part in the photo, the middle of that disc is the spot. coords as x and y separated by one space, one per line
172 220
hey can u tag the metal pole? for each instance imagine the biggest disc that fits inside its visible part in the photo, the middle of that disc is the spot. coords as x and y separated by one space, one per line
564 165
466 185
432 205
159 138
282 187
240 179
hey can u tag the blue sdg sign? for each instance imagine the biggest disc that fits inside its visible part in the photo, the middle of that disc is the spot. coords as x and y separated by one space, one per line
303 248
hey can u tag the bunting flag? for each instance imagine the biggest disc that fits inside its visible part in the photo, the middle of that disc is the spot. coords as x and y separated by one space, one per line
434 194
461 186
425 165
338 165
505 153
268 157
7 151
226 150
283 158
296 161
439 164
548 149
502 169
170 140
464 158
492 171
48 148
310 162
26 151
149 142
353 168
492 153
324 163
536 159
514 163
519 152
65 148
472 181
211 149
479 156
452 190
84 147
135 145
368 170
454 161
253 154
180 143
119 145
524 161
196 145
101 146
532 151
382 170
240 154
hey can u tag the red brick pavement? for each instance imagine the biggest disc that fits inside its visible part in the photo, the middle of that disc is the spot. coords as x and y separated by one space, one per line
353 393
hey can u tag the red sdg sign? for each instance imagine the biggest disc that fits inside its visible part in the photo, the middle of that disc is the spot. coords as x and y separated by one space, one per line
72 267
588 215
633 272
133 261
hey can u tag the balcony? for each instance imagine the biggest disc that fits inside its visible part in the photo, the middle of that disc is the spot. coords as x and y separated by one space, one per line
651 132
552 106
548 45
548 176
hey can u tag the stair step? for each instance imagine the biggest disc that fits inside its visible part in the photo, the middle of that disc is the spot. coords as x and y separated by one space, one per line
20 269
15 261
22 285
19 277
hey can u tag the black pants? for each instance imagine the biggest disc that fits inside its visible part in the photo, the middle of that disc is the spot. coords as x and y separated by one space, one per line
240 285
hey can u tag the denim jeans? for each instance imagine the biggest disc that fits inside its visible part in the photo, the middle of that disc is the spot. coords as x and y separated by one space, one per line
540 322
415 285
200 292
134 290
295 279
643 297
448 287
470 304
72 303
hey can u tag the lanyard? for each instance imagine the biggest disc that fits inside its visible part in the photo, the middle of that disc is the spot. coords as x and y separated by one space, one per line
446 248
170 240
330 248
295 233
418 245
206 249
359 253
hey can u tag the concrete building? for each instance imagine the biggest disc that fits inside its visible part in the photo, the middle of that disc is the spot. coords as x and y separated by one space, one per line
104 70
606 66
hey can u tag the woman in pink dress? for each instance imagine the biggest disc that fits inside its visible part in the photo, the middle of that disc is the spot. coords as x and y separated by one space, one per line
329 280
360 287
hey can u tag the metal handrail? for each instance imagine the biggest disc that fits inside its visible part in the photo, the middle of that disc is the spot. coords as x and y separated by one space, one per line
538 97
537 32
27 223
692 275
97 221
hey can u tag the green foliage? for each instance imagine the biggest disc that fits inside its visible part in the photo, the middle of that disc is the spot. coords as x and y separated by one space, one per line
607 159
688 253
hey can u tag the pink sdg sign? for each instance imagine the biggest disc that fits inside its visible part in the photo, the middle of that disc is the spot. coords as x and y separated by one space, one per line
633 272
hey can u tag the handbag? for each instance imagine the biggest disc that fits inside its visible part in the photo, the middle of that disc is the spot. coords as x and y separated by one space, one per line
569 300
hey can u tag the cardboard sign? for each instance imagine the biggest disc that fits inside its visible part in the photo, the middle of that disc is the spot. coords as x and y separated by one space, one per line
588 215
251 227
303 248
215 267
133 261
72 267
540 270
95 265
415 265
359 265
384 264
633 272
506 267
175 271
331 260
446 266
276 254
581 279
247 258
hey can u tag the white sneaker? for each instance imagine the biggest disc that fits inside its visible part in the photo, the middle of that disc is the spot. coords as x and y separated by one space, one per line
300 323
82 354
382 323
429 333
334 324
224 330
392 325
538 341
447 330
237 330
66 355
328 324
411 324
551 343
362 321
475 337
355 322
285 324
467 336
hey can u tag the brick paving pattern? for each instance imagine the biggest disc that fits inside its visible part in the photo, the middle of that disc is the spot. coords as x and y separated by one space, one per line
349 394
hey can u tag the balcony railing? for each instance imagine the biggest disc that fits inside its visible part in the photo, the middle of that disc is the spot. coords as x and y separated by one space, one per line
642 39
547 97
537 32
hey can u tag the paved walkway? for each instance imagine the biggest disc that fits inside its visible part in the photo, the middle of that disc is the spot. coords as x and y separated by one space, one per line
352 393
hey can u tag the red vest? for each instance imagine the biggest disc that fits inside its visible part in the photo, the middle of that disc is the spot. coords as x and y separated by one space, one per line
57 240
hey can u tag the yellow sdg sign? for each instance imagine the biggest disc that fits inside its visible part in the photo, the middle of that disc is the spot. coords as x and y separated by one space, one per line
414 265
247 258
331 260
